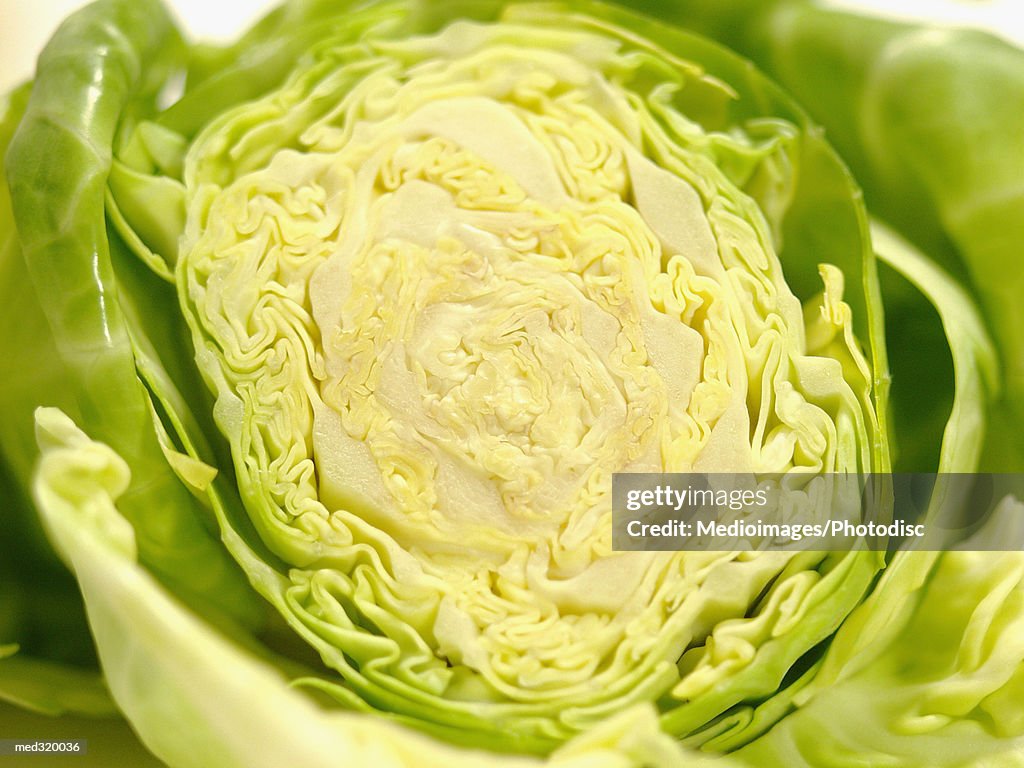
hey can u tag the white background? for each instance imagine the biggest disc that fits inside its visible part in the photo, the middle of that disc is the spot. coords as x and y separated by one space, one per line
26 25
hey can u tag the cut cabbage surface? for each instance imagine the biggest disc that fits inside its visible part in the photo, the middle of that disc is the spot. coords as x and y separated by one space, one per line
443 288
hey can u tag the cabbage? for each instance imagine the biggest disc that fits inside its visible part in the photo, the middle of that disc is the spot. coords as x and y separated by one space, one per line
339 349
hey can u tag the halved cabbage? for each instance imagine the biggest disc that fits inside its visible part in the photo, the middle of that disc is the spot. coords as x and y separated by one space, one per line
443 277
443 286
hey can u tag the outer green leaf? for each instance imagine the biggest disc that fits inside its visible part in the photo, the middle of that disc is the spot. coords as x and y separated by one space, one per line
49 665
975 363
97 69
